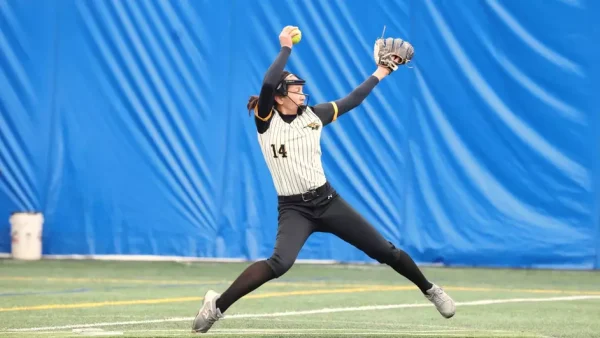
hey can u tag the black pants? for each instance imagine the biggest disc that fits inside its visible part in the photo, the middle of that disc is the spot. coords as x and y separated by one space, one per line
327 213
299 217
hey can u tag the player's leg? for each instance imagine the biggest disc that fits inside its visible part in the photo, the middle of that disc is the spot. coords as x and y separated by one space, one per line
293 230
343 221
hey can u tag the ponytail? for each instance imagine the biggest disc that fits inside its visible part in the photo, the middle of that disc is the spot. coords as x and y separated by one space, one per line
252 103
253 100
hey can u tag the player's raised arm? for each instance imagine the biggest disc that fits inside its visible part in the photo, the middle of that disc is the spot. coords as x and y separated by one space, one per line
263 104
389 54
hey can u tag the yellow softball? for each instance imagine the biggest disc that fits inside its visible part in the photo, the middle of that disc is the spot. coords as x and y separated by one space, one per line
296 36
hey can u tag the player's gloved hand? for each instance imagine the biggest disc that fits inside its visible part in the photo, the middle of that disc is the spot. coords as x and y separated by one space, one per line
391 53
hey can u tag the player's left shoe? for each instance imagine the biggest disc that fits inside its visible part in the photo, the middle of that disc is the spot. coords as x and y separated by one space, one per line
443 303
208 313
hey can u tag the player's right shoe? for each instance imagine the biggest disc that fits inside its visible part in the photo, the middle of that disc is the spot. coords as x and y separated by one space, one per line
208 313
443 303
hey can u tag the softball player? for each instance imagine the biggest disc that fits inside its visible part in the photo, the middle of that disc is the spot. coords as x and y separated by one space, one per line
289 133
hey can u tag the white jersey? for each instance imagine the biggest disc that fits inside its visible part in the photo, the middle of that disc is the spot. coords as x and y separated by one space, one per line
293 152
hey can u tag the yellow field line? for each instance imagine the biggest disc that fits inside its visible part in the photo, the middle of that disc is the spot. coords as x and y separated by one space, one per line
171 282
299 284
100 304
327 291
265 295
456 288
190 299
109 280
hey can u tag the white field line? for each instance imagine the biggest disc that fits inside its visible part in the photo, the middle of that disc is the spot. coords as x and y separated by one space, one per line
311 312
311 332
475 334
294 329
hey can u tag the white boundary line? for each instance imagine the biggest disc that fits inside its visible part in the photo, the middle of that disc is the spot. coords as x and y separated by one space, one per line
356 331
356 264
310 312
158 258
441 332
316 332
189 259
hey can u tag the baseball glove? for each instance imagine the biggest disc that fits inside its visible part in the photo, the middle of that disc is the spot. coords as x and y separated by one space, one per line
385 50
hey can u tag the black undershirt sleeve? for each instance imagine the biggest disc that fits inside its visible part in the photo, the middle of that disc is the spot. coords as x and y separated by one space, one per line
263 111
330 111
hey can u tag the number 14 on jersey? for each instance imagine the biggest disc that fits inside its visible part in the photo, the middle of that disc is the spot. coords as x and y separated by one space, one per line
281 151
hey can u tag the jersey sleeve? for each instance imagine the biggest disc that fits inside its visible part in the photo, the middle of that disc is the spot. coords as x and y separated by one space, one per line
327 112
262 123
331 111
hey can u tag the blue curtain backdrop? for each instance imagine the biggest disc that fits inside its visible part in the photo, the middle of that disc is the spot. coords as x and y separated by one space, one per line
124 122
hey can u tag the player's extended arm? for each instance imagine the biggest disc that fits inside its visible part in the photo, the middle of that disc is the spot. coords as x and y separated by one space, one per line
388 55
330 111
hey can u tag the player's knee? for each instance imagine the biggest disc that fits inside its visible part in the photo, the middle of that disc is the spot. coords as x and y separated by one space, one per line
387 255
384 257
396 255
279 264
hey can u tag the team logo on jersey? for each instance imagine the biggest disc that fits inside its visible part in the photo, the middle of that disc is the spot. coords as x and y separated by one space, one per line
313 126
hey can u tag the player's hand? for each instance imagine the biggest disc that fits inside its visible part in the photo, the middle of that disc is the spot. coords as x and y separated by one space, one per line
285 38
382 71
385 70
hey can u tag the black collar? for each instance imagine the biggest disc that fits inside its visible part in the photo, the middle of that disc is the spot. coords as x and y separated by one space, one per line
289 118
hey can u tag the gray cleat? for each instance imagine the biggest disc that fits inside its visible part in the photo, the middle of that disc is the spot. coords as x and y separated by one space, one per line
443 303
208 313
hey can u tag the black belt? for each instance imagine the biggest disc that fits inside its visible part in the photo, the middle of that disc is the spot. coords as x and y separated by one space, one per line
307 196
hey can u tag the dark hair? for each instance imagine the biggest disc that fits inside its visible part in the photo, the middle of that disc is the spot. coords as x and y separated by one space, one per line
253 100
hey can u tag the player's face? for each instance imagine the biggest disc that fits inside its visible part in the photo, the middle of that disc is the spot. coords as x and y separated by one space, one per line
295 95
